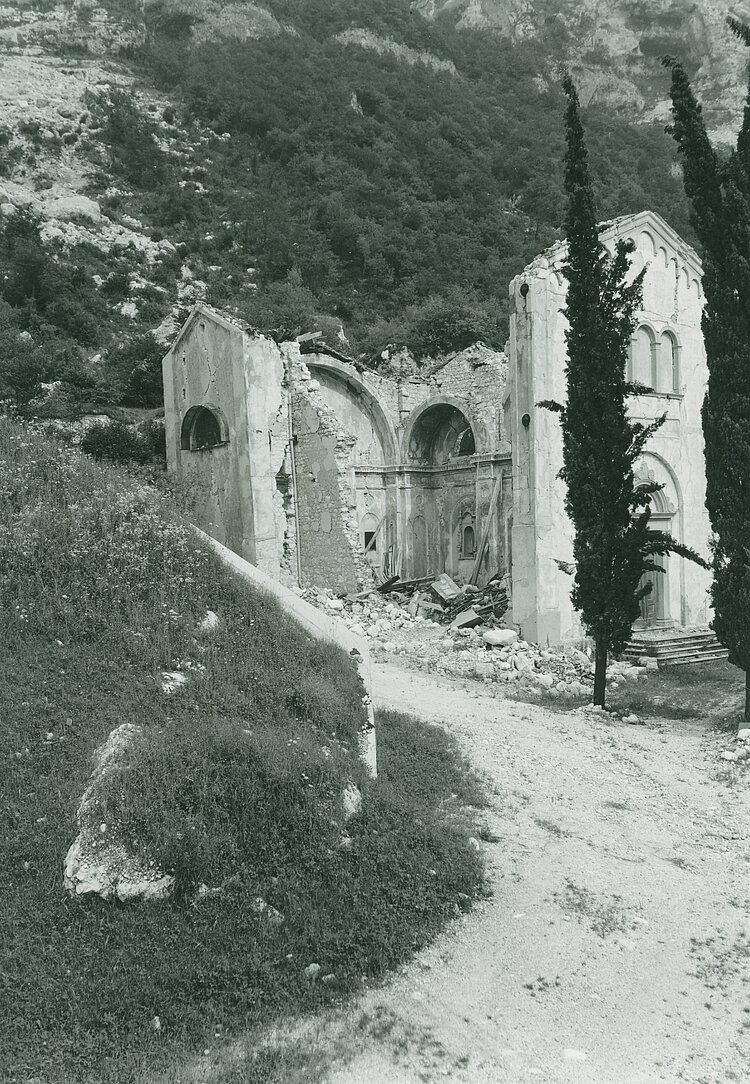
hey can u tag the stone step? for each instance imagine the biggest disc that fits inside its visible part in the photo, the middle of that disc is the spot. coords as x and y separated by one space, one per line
709 653
678 649
669 641
678 658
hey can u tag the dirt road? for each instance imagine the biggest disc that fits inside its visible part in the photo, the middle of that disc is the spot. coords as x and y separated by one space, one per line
616 946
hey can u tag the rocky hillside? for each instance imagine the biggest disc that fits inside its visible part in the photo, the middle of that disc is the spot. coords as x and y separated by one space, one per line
614 45
376 171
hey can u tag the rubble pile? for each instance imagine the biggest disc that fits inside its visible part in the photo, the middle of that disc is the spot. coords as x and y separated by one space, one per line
480 651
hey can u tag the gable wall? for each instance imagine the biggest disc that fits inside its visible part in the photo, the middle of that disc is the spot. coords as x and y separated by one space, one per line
542 533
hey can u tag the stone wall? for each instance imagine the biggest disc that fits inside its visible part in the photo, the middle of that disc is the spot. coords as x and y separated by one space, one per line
287 506
542 533
326 557
418 496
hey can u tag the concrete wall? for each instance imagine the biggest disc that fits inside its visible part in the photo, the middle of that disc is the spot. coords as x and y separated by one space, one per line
541 532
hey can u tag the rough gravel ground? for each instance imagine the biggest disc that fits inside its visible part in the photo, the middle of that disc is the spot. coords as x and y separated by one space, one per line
616 946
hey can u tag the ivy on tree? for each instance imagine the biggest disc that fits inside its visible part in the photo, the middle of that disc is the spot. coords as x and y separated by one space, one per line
613 545
719 193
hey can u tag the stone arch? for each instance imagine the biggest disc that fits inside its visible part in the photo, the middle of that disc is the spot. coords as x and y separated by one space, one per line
203 427
341 381
653 467
438 431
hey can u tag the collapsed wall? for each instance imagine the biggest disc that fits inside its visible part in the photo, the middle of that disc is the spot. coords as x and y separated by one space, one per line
261 458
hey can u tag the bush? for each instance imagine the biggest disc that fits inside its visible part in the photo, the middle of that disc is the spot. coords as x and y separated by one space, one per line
154 437
116 442
138 366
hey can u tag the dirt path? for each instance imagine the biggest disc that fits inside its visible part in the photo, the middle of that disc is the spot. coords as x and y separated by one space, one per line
616 946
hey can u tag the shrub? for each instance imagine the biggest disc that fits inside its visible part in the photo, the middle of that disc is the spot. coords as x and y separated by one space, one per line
115 441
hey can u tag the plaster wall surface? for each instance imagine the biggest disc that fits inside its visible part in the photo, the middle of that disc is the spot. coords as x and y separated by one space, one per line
204 368
670 321
244 489
326 557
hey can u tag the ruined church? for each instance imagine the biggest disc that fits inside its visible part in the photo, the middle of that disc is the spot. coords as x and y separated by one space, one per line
321 473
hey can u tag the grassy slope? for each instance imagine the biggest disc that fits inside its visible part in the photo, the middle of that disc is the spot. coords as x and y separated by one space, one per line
101 588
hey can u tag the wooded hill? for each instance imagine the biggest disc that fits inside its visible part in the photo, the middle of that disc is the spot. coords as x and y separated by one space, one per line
364 169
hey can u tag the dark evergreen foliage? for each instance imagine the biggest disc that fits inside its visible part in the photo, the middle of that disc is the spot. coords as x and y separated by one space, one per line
719 194
613 544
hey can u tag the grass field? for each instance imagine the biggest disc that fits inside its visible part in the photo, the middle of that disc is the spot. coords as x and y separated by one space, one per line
236 782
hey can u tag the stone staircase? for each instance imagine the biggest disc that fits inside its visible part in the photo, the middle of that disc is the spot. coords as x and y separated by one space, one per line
672 647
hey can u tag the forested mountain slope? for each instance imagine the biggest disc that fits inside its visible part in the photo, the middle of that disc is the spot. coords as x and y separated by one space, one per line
376 170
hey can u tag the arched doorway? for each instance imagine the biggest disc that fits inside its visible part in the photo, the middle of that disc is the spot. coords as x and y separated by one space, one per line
656 610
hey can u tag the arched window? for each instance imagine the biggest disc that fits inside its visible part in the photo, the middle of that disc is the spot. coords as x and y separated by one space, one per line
468 542
201 429
669 364
643 357
466 445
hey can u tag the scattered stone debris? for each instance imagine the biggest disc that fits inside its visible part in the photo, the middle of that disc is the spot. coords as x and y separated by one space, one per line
172 680
741 751
400 620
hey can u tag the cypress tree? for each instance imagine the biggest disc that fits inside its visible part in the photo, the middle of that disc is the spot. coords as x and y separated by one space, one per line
719 193
613 546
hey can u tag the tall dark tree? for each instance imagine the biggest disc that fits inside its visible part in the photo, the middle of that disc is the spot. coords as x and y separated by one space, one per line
613 545
719 193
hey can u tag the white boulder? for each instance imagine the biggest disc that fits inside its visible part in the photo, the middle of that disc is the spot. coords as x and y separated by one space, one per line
210 622
352 798
95 863
500 637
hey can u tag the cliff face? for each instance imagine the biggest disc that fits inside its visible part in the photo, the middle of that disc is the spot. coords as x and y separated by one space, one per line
613 47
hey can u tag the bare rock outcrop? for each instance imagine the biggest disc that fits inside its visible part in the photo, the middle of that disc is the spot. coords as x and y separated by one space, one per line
95 861
613 47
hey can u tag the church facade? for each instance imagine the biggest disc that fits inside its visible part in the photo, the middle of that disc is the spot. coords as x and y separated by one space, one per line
325 474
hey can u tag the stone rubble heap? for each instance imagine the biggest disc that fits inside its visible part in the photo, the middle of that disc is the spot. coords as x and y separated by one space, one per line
491 655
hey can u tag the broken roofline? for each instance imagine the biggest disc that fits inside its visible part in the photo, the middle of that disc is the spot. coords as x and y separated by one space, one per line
233 323
613 230
201 309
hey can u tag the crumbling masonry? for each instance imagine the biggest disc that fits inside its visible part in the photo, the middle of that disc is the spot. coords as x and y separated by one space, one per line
320 473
